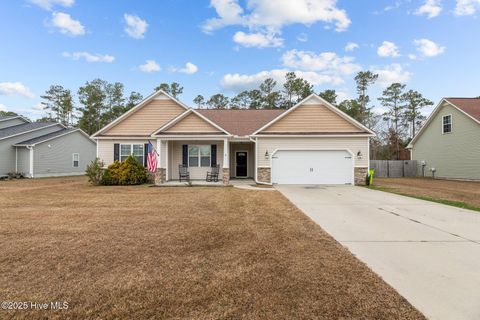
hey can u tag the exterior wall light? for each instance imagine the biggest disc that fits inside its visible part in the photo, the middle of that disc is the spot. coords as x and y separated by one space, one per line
266 155
359 154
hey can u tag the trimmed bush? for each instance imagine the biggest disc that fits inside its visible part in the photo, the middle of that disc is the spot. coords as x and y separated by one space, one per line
128 172
94 171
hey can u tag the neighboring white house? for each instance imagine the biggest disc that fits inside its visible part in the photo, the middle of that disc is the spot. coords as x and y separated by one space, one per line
43 149
448 145
311 143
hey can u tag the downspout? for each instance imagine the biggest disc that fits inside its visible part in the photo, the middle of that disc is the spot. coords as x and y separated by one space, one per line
16 159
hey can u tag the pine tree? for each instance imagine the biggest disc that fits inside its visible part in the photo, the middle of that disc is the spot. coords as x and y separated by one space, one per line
58 103
412 115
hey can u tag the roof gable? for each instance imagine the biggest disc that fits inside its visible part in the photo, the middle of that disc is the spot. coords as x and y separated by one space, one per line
314 115
469 106
143 119
190 122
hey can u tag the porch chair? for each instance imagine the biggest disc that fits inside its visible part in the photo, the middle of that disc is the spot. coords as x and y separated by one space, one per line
213 175
183 173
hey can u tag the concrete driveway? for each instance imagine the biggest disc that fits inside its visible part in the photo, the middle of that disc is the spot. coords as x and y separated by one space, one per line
430 253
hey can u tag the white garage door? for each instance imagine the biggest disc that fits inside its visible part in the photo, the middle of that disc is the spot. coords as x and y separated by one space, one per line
312 167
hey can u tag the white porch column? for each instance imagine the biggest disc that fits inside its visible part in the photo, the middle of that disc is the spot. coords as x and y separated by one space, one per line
226 154
226 162
160 174
31 162
159 151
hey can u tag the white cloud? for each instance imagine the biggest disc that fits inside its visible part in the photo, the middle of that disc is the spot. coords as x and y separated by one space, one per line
66 24
150 66
326 62
466 7
412 56
390 74
135 26
318 69
431 8
15 89
49 4
351 46
89 57
39 106
302 37
258 40
388 49
189 68
238 82
266 17
3 107
428 48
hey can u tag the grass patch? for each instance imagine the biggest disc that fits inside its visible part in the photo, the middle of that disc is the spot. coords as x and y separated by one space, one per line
458 204
135 252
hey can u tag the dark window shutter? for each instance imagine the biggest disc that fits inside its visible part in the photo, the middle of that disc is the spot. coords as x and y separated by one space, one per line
185 155
116 152
145 154
213 154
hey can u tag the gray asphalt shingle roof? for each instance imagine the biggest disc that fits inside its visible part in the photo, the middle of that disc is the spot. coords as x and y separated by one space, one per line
10 131
45 137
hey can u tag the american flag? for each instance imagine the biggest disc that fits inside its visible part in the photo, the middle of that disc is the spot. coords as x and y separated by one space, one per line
151 158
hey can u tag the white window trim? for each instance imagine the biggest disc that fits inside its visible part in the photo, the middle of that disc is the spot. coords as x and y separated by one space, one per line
451 124
73 160
131 151
200 155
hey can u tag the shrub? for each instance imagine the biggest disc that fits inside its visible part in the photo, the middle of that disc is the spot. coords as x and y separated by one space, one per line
128 172
94 171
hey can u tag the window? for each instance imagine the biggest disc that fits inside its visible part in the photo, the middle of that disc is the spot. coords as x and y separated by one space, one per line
125 151
447 124
132 149
75 160
199 156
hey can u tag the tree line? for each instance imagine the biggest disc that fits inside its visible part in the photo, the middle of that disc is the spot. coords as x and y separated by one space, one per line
100 102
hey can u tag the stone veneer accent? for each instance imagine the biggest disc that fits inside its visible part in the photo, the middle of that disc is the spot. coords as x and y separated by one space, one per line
226 176
264 175
361 176
160 175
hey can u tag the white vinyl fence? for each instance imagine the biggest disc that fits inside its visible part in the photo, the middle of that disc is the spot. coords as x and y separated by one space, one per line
394 168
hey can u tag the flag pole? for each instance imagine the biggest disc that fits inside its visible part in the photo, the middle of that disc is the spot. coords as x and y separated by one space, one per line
158 154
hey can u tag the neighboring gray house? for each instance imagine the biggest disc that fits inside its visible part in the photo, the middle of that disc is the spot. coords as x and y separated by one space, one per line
449 142
43 149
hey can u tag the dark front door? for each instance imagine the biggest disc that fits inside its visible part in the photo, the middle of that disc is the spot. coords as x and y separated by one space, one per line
241 160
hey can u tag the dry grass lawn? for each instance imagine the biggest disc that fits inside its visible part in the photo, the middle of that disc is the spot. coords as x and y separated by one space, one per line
177 253
467 192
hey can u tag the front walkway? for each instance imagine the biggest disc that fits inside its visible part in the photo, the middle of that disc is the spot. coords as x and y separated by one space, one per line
429 252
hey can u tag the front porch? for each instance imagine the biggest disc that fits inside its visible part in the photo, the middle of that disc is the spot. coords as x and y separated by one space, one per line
235 158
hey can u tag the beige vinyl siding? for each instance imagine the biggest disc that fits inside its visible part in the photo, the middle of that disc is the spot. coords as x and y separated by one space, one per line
453 155
7 151
250 148
11 122
148 118
55 157
196 173
354 144
312 118
105 147
192 123
23 160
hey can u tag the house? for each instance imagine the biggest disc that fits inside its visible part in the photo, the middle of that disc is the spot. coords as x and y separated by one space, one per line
43 149
448 145
311 143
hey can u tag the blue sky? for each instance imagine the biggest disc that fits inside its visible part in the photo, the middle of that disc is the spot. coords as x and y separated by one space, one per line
228 45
